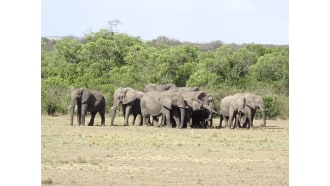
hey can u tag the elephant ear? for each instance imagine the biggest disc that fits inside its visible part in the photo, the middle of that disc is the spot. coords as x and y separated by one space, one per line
166 101
130 95
86 94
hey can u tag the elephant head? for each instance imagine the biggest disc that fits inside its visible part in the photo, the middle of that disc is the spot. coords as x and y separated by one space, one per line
256 102
194 104
124 96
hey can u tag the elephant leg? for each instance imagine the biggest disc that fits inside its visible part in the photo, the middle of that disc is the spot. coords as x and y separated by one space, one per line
102 114
236 123
83 114
79 115
211 123
252 117
248 119
189 124
144 119
176 117
242 121
134 118
127 111
226 121
230 121
140 120
163 122
155 120
148 120
79 118
189 118
221 119
91 122
168 118
238 120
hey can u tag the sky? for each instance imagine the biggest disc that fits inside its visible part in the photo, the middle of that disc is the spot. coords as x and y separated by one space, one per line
230 21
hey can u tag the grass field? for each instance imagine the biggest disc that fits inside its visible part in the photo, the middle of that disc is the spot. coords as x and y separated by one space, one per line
139 155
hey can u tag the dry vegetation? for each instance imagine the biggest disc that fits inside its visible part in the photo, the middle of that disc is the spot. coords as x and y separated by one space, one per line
139 155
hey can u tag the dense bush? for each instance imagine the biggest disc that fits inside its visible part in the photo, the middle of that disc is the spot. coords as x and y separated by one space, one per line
106 60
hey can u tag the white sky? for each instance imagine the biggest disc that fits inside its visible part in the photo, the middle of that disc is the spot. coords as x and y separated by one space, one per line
231 21
22 23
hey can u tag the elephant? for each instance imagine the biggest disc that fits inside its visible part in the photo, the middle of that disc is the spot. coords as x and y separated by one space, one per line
130 100
231 108
166 104
87 101
159 88
253 102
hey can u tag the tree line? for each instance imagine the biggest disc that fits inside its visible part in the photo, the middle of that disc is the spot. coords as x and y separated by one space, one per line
105 60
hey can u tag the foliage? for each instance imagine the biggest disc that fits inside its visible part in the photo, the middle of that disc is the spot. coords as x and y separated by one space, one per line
107 59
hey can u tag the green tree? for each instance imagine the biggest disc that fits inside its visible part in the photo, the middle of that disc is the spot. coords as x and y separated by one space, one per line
272 70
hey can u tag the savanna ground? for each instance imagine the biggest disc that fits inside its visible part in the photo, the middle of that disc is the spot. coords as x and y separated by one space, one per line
139 155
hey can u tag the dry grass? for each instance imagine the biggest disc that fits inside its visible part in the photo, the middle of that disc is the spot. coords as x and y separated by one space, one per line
139 155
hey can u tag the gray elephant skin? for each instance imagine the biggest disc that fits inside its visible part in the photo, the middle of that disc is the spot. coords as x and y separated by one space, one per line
130 100
167 104
253 102
231 108
87 101
159 88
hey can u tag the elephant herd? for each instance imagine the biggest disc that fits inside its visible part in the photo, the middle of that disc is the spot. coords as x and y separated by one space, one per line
168 105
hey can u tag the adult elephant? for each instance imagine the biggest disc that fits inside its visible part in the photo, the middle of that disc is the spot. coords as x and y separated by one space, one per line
159 88
253 102
231 108
167 104
87 101
130 100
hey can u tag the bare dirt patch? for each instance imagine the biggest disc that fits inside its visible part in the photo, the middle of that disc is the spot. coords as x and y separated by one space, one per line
139 155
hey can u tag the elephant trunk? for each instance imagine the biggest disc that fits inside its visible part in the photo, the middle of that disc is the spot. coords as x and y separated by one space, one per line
183 114
73 106
263 113
113 113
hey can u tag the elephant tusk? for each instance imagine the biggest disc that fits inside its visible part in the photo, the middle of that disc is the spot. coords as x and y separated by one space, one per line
263 109
215 112
180 106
